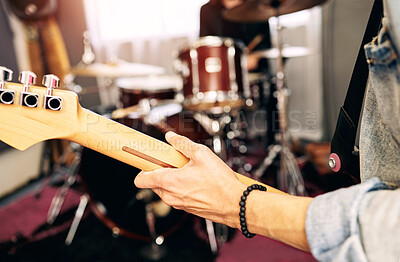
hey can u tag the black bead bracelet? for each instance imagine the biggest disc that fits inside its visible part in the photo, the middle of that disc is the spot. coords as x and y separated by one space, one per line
242 204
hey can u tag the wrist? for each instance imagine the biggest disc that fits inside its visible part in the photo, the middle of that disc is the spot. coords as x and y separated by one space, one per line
231 217
242 204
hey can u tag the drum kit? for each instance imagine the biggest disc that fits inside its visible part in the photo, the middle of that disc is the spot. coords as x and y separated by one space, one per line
203 102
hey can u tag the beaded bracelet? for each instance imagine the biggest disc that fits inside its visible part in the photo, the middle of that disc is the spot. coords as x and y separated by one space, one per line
242 204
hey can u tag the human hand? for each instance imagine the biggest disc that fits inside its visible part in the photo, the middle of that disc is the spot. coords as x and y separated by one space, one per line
205 186
252 62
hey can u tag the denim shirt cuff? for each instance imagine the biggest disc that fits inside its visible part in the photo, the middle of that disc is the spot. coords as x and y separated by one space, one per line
332 222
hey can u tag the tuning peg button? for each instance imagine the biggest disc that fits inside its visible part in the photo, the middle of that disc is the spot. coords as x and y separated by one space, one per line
51 102
27 98
5 75
27 78
6 96
51 82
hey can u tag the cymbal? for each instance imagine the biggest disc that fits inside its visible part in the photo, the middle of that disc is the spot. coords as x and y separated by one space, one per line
287 52
122 69
261 10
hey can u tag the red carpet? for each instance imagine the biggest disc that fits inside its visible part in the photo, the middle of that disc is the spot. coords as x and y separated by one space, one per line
24 217
259 248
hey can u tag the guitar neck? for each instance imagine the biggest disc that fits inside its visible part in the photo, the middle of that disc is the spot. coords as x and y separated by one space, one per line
130 146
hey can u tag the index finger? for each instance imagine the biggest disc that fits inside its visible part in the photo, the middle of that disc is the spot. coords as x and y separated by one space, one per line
149 179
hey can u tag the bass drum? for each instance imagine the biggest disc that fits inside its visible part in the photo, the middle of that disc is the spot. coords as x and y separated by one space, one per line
114 198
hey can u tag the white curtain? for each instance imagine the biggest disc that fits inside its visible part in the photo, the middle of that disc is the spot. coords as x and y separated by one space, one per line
142 31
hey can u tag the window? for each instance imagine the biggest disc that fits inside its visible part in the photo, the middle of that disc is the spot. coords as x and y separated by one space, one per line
129 19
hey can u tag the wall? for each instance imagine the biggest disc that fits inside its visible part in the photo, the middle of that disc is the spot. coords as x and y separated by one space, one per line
344 22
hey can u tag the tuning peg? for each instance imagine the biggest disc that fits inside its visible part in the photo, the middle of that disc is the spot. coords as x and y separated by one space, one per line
27 78
51 102
6 96
27 98
51 81
5 75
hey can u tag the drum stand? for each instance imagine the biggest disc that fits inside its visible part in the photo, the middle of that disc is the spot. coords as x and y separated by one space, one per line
217 233
289 176
154 251
60 195
69 181
214 127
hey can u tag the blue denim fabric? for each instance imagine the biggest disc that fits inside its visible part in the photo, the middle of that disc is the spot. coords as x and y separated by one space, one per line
380 128
362 223
332 223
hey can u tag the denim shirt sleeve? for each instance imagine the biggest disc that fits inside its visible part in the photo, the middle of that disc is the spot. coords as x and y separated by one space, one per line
332 226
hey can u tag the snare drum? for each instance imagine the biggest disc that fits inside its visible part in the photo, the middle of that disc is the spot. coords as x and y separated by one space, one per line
214 74
134 89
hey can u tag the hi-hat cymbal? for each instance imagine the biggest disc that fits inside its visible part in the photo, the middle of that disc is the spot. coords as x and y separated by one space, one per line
261 10
117 70
287 52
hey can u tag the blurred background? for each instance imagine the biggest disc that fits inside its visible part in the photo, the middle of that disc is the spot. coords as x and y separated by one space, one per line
150 65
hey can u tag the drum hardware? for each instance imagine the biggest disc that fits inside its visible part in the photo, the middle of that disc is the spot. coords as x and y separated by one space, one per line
155 250
287 52
289 176
159 208
214 125
88 56
211 236
77 219
215 128
59 197
142 109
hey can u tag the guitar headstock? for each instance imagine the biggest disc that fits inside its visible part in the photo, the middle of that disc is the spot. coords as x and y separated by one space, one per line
30 114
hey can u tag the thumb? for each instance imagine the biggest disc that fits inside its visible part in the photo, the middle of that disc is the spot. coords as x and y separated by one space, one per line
184 144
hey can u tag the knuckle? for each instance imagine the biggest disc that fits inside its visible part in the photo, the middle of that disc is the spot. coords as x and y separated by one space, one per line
162 177
200 151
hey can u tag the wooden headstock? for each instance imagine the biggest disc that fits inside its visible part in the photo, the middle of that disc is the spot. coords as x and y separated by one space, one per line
23 124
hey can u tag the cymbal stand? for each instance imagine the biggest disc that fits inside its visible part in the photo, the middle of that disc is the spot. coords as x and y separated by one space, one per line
289 176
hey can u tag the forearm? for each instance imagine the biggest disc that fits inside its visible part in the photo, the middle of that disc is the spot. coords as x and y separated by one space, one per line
281 217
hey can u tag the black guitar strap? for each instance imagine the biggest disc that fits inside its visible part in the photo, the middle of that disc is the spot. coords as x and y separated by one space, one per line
344 156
